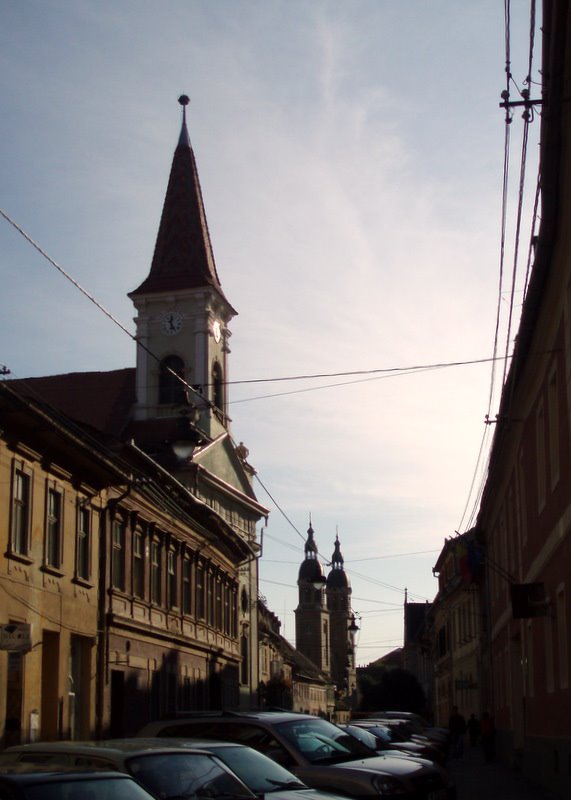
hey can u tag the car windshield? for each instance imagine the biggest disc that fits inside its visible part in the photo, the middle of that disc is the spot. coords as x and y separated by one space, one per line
170 775
258 771
85 789
322 742
364 736
385 734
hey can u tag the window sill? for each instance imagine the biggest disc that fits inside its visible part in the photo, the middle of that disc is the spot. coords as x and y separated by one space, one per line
57 572
22 557
85 582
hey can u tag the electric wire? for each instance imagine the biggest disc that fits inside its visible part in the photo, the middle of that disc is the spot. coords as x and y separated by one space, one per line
519 213
386 373
507 356
530 250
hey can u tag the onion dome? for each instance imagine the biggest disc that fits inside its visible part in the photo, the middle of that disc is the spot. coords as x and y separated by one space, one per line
337 578
310 569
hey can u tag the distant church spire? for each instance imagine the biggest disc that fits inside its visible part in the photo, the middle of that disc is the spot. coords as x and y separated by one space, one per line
183 257
337 560
310 545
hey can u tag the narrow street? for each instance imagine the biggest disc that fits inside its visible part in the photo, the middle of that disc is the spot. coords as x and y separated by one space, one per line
475 779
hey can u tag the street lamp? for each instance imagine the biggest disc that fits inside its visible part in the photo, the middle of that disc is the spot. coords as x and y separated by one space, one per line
187 436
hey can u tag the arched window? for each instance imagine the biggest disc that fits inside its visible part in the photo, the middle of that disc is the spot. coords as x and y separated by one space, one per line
218 386
171 390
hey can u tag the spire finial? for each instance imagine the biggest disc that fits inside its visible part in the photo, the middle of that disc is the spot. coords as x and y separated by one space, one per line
184 100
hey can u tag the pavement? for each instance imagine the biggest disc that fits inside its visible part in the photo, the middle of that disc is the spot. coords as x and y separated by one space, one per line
476 779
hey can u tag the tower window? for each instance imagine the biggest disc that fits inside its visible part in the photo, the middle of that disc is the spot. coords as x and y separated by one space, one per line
171 390
218 386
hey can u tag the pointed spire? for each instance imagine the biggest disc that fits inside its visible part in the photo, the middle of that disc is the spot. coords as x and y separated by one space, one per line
337 560
337 578
310 545
183 257
184 138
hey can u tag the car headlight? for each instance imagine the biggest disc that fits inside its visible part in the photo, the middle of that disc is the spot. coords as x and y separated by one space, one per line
385 784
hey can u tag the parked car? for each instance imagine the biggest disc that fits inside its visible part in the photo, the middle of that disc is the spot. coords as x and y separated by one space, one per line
16 784
319 753
381 745
166 771
260 774
416 723
387 738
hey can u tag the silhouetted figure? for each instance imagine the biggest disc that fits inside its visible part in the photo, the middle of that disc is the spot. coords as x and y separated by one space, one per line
457 728
488 736
473 730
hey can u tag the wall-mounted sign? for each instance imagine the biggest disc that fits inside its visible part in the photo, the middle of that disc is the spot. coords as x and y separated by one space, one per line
529 600
16 637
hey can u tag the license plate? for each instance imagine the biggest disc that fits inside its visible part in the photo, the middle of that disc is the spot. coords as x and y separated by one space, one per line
439 794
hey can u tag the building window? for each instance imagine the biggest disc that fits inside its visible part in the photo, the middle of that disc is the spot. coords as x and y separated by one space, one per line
187 585
171 389
200 605
210 598
441 642
549 664
218 604
553 427
138 564
234 612
53 528
118 556
522 495
21 512
172 578
540 455
227 620
156 573
561 615
244 666
530 660
83 542
217 386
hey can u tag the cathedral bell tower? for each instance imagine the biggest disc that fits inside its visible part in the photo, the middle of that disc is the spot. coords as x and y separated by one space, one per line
182 312
312 632
342 622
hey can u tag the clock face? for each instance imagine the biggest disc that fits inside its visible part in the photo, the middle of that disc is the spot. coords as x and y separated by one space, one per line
217 330
171 323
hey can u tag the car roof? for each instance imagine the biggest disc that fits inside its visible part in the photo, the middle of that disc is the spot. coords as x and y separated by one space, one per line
29 775
109 748
228 716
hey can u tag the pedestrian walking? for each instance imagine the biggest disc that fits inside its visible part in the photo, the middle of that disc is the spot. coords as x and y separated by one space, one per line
473 730
488 736
457 728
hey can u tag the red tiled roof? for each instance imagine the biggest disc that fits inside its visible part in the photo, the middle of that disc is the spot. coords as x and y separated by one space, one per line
102 400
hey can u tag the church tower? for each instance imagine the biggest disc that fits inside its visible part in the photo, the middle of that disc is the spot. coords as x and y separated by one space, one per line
182 333
182 312
342 623
312 632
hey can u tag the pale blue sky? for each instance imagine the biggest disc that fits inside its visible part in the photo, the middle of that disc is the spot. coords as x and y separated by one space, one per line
350 154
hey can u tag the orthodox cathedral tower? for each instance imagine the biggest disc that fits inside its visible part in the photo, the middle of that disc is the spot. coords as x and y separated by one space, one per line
342 624
325 625
311 615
